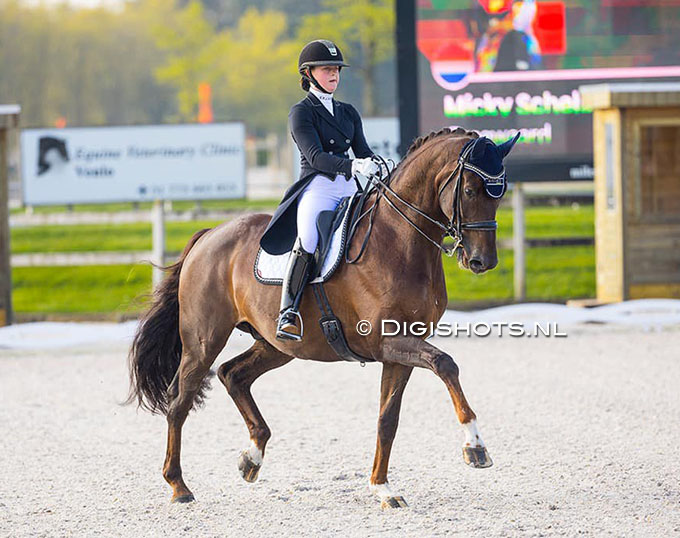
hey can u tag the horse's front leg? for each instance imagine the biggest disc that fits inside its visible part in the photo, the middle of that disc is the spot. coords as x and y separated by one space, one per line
392 385
414 352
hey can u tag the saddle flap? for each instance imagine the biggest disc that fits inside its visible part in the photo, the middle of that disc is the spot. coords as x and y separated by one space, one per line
326 224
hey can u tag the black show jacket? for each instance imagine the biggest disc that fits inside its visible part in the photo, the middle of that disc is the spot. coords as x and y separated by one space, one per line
323 140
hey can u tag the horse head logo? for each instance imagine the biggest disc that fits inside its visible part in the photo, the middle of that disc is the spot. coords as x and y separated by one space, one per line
52 154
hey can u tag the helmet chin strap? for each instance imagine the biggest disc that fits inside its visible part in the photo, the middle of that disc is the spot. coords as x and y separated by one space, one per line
308 75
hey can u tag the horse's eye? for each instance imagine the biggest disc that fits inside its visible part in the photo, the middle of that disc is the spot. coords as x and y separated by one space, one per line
468 191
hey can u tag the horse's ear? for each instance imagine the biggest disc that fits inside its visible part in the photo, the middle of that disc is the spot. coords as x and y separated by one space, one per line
478 148
505 147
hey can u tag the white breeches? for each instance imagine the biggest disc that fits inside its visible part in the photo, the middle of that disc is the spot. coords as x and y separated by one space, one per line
320 195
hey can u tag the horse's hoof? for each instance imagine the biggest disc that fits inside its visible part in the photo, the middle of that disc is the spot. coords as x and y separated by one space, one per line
393 502
477 457
249 469
187 498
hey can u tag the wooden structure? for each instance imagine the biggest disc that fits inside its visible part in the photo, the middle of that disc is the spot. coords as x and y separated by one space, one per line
9 123
636 132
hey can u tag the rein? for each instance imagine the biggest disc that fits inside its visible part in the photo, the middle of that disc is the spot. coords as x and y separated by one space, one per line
454 228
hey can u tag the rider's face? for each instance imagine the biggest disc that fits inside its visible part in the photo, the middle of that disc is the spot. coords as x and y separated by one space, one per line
328 76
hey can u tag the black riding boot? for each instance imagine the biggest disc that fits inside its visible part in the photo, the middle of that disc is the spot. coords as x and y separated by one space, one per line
298 271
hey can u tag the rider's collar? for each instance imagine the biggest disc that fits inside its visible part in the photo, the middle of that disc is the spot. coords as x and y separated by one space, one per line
321 96
326 99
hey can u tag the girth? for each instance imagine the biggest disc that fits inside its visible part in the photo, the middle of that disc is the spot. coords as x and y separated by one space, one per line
332 328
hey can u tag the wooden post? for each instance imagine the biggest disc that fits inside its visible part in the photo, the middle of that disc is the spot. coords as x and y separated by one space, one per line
158 245
519 242
5 271
9 119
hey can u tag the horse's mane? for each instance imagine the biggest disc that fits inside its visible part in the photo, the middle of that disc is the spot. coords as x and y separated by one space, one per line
434 135
422 140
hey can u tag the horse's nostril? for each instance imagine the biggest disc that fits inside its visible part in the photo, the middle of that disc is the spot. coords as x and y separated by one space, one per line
476 263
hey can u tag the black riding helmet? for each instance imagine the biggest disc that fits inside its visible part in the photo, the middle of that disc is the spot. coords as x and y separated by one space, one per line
319 52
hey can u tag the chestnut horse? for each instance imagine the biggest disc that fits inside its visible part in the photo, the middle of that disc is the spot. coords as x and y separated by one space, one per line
211 290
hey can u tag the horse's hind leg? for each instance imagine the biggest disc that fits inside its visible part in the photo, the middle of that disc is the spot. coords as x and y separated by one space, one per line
200 348
238 375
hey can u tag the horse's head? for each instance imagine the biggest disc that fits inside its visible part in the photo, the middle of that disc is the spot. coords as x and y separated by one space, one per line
470 191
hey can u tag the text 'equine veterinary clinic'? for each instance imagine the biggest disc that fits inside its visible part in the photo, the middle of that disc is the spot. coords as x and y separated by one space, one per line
133 164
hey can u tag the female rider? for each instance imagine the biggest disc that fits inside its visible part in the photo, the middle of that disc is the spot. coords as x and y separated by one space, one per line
323 129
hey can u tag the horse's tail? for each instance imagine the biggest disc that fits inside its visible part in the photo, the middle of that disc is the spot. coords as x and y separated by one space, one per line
157 348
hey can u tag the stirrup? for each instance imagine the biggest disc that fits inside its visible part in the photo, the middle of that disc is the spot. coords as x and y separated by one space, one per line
282 334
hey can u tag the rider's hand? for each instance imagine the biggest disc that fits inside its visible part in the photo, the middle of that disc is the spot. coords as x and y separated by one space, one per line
366 167
386 165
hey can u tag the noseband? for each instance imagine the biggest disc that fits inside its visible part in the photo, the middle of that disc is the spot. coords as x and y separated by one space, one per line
455 227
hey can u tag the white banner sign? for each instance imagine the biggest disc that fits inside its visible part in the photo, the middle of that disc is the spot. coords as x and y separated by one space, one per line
382 135
133 164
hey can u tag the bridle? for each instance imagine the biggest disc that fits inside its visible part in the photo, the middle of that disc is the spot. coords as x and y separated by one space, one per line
454 228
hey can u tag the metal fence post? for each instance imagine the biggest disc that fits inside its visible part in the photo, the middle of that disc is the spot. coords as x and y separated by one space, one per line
519 242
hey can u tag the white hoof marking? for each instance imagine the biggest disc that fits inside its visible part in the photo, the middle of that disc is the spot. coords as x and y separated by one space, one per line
472 436
254 453
382 491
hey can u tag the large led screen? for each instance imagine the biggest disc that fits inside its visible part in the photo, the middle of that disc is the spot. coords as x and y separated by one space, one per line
498 66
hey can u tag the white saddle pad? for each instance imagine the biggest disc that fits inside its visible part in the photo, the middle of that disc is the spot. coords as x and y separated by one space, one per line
271 269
